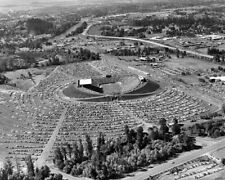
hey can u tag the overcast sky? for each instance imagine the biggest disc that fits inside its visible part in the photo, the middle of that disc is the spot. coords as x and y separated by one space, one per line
6 2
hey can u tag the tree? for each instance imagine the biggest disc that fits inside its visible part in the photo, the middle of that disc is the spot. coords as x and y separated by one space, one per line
75 153
151 134
223 161
139 138
176 127
58 158
187 141
45 171
3 79
100 141
68 150
63 151
223 108
177 53
156 133
80 149
8 167
58 177
127 133
163 130
88 146
30 166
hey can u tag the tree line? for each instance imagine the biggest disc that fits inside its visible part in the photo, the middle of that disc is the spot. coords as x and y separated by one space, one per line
145 51
41 26
78 30
188 25
29 59
120 32
114 158
211 128
219 55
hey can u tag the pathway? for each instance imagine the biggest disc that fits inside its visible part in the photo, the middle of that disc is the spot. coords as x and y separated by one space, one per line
48 147
144 124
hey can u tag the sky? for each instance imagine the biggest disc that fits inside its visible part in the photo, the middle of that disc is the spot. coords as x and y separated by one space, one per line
5 5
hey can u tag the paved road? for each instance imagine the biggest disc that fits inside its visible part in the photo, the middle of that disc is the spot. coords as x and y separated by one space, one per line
180 160
85 33
48 147
67 176
159 168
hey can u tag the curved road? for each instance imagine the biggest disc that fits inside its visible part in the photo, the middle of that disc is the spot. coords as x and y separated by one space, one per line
85 33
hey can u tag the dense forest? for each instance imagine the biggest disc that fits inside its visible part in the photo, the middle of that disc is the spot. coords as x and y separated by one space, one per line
39 26
113 158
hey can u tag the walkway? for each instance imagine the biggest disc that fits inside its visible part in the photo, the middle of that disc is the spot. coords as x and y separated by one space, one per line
48 147
144 124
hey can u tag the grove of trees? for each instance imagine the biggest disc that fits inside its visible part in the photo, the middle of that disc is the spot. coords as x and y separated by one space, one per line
145 51
211 128
39 26
113 158
9 172
218 54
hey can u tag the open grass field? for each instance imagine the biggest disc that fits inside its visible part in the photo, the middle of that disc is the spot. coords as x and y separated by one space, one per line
73 92
189 63
95 30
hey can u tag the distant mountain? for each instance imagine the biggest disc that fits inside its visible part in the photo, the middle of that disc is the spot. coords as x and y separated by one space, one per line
5 5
